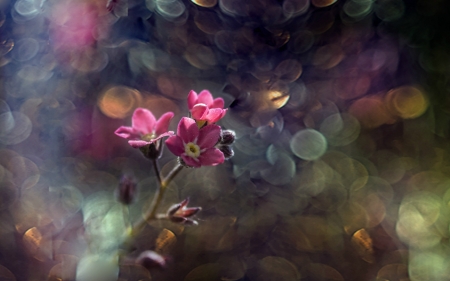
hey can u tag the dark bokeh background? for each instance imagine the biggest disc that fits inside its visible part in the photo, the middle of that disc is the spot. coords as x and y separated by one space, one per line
341 110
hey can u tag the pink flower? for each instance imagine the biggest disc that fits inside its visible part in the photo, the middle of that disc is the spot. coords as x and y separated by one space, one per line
145 129
204 108
205 98
196 146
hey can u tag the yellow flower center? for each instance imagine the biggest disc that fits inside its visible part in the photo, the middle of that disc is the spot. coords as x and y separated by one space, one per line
192 150
148 137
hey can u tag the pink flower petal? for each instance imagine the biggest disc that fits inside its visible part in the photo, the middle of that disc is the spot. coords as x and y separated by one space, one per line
190 161
126 133
184 203
211 157
188 212
215 114
192 99
143 121
166 134
223 113
138 143
162 125
187 130
141 143
175 145
218 103
205 97
208 136
199 111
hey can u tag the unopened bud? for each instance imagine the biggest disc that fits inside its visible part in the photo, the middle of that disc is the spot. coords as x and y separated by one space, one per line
184 203
180 213
127 190
190 222
173 209
227 151
150 259
184 221
175 219
189 212
227 137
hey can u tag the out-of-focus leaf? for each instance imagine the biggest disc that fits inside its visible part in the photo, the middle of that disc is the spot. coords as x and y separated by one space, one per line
165 242
363 244
6 275
319 271
275 268
98 267
104 222
205 272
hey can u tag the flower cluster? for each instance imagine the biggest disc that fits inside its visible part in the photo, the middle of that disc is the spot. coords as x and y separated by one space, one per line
198 141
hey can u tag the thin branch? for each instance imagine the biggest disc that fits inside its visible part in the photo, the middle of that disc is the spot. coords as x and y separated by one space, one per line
157 172
151 214
171 175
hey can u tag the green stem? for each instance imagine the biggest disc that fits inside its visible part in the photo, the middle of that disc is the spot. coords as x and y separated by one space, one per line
157 172
166 181
126 216
151 214
163 186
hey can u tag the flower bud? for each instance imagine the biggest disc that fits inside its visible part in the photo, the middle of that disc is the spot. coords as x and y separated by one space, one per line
173 209
184 221
190 222
227 137
180 213
227 151
127 190
189 212
150 259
